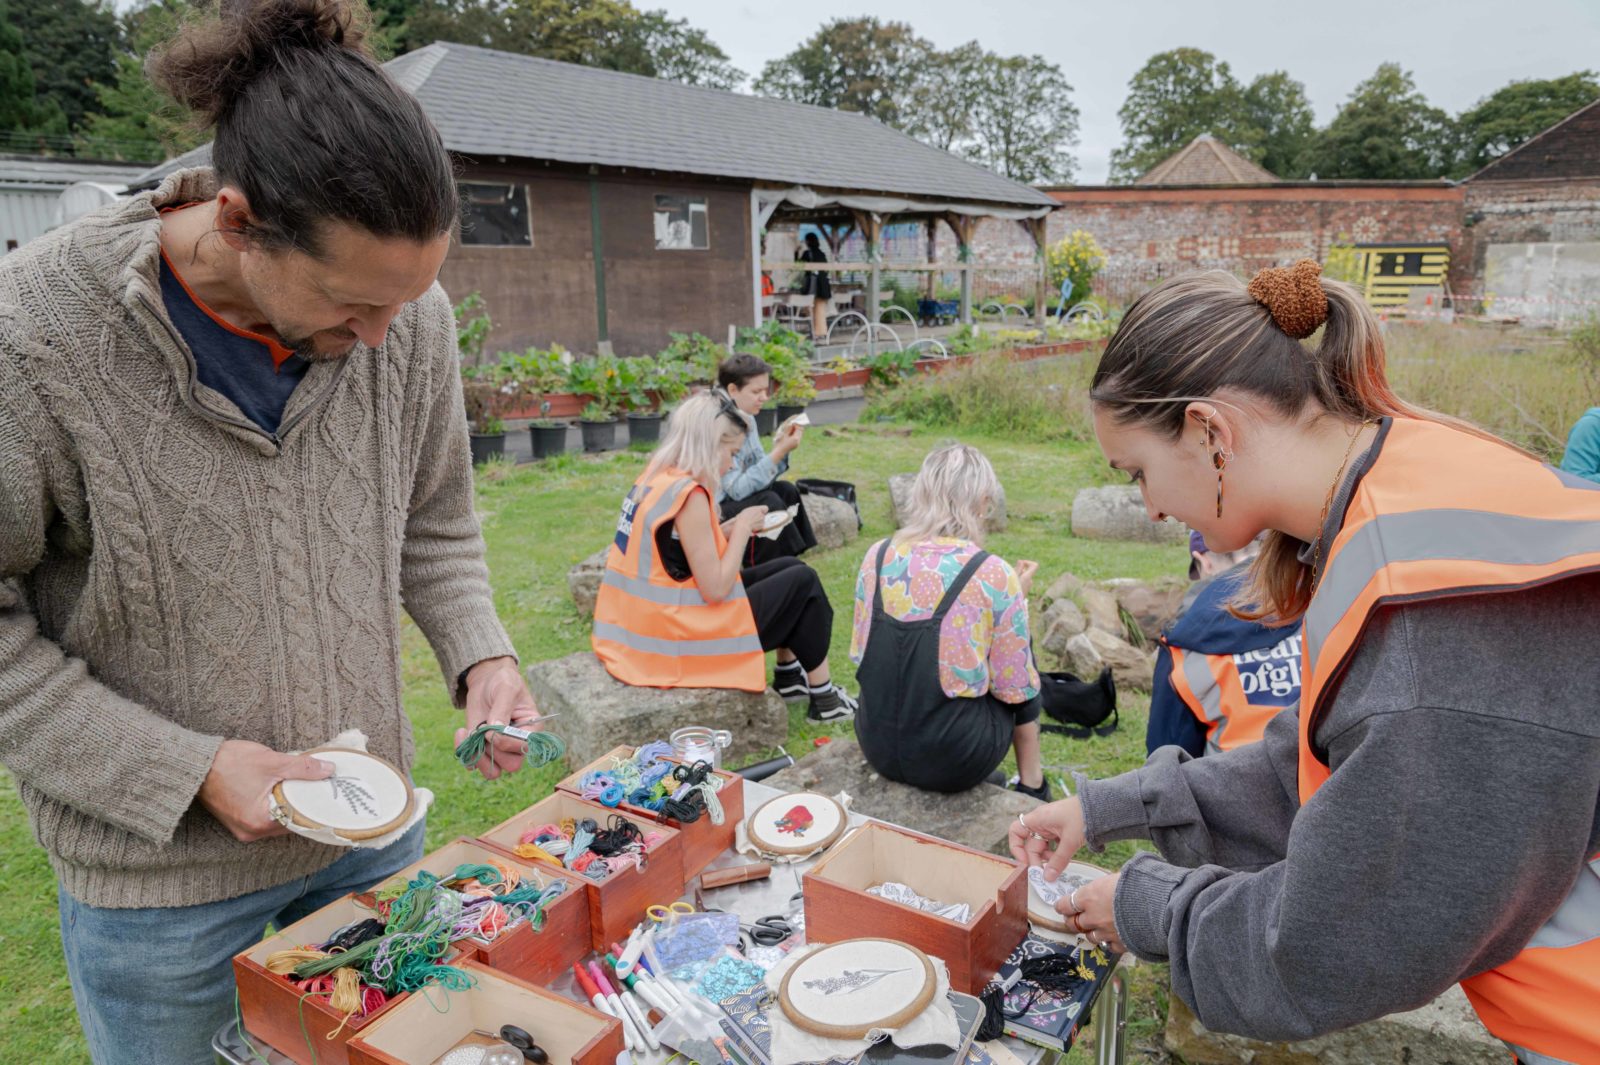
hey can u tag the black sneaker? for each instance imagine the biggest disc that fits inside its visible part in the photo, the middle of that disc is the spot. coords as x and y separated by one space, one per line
789 681
1042 792
830 705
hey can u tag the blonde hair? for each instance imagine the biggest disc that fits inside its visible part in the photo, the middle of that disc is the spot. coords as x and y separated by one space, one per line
696 433
951 496
1201 333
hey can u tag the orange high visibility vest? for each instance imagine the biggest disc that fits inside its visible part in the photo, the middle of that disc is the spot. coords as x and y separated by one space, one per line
1235 695
652 631
1437 513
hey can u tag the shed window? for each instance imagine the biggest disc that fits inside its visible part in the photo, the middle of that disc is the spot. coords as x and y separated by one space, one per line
495 215
681 223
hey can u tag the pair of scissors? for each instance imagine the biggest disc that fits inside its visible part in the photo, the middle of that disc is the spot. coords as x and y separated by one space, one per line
659 913
768 931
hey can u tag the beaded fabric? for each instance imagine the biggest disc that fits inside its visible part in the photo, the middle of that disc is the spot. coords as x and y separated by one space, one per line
1293 295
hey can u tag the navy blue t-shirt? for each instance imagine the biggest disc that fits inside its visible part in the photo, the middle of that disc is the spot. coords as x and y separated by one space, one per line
239 365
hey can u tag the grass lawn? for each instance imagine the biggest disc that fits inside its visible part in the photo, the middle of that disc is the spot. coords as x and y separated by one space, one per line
538 521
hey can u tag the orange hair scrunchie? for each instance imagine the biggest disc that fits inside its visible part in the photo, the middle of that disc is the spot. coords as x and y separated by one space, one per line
1293 296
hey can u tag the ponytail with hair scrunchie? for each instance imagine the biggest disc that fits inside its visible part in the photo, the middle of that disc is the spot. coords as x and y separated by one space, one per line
1293 296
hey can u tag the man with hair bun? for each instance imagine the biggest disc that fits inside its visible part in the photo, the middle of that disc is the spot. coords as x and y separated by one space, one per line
232 449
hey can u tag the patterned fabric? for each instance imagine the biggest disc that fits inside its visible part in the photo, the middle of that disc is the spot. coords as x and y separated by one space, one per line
984 643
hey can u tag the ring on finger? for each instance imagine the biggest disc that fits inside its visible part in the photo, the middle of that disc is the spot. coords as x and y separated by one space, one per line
1026 828
1072 900
1076 926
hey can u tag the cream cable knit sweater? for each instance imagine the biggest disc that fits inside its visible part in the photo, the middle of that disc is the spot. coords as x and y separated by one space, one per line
171 576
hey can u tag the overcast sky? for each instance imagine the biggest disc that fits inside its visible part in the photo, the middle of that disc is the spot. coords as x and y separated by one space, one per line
1458 52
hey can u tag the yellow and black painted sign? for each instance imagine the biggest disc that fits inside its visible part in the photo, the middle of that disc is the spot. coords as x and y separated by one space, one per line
1389 272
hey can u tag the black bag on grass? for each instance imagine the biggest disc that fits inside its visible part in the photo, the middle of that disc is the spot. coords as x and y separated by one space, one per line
841 490
1082 705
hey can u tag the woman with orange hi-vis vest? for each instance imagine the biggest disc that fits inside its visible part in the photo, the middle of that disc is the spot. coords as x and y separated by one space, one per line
1429 815
675 609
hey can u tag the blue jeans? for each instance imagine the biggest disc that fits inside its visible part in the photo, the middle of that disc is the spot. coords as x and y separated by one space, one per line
153 986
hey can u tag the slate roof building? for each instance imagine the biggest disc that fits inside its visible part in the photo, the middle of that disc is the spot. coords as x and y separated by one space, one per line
1206 161
604 207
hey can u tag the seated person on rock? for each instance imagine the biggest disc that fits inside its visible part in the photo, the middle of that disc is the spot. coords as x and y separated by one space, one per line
676 610
1219 680
941 639
753 479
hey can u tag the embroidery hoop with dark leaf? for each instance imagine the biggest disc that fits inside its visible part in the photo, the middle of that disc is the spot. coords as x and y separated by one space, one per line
756 832
853 980
357 794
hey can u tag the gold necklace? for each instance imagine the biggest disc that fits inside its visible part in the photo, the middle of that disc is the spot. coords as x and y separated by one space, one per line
1327 503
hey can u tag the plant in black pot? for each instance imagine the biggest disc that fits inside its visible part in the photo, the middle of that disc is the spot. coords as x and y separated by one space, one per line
635 382
599 424
795 391
596 377
541 372
486 391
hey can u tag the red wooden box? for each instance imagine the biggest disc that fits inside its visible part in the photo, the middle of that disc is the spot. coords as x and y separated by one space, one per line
272 1007
419 1032
538 956
702 840
838 906
618 902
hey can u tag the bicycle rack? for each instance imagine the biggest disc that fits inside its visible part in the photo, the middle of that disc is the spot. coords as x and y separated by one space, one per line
930 343
846 316
874 330
909 317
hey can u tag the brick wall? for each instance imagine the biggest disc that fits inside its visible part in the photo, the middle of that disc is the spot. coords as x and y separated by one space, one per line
1538 211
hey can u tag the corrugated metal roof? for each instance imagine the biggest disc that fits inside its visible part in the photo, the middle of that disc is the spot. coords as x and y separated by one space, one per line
43 173
493 103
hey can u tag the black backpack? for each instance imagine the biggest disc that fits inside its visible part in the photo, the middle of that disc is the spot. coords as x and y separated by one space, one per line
1082 705
841 490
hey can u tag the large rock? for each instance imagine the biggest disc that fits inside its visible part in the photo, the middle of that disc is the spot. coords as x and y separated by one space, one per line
1100 607
583 580
1066 586
1153 604
1092 650
1444 1032
1060 622
1117 512
977 818
598 712
900 499
832 520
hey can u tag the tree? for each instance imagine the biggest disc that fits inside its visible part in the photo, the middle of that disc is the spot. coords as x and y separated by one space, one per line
1387 130
858 64
1508 117
134 120
1174 98
25 120
71 46
1276 105
1023 122
612 34
948 88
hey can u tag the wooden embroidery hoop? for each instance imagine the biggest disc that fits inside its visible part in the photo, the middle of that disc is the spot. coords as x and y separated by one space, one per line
1041 914
810 798
898 1019
305 821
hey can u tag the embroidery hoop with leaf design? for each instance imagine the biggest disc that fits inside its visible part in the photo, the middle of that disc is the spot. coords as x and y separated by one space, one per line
769 840
890 957
1042 915
377 796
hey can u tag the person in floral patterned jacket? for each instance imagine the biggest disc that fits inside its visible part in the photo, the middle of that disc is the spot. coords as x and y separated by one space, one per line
941 640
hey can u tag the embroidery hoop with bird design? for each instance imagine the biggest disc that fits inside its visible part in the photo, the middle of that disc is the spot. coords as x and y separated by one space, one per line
852 967
764 829
367 797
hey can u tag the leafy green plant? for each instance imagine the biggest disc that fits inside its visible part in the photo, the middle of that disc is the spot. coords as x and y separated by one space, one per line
472 327
890 368
1583 348
634 381
692 358
538 373
488 392
1025 401
968 340
598 412
1078 256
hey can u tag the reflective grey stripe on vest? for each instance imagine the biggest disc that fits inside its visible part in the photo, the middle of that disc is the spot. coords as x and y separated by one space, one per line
1203 683
1533 1057
728 645
1577 919
1445 535
647 548
684 595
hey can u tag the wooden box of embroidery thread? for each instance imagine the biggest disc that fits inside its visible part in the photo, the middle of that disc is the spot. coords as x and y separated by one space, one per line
838 907
618 901
279 1014
420 1032
532 954
703 840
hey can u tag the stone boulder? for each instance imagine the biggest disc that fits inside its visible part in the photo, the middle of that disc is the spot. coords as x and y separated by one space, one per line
598 712
1444 1032
900 499
1152 604
1092 650
1066 586
1117 512
833 521
976 818
583 580
1060 622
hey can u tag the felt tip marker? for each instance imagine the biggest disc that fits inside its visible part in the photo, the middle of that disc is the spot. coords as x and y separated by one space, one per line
641 987
587 986
629 1030
631 1004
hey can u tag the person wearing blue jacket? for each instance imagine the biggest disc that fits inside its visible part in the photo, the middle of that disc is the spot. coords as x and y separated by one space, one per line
1583 446
1219 680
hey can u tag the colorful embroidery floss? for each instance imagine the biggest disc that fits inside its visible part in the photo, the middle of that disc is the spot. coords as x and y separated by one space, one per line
542 747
